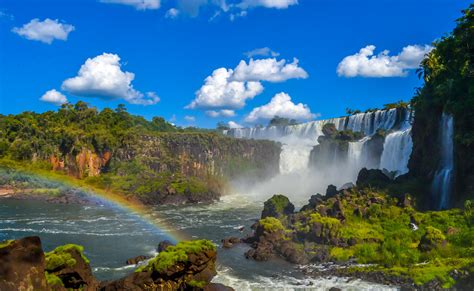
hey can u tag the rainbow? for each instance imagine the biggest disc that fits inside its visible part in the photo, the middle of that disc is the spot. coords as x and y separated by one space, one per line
116 200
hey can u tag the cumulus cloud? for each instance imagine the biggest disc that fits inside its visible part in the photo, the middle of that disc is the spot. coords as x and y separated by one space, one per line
232 124
279 4
220 91
138 4
282 106
263 52
220 113
229 89
102 76
189 118
269 70
366 64
172 13
55 97
45 31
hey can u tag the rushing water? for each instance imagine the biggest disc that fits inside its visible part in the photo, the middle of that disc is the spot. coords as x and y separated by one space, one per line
111 236
442 181
298 178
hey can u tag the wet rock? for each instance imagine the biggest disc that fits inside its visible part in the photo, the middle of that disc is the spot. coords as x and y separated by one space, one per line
199 265
314 201
335 289
372 178
163 245
331 191
337 211
230 242
277 206
136 260
22 265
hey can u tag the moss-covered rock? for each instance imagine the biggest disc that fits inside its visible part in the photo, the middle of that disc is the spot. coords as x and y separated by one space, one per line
69 264
277 206
189 264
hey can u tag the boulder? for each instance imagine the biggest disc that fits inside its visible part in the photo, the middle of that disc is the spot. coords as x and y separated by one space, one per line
331 191
313 201
230 242
136 260
22 265
372 178
277 206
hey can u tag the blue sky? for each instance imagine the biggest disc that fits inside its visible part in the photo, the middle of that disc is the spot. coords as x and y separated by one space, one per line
172 56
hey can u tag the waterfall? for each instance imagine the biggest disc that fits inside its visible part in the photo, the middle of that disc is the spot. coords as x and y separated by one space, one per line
396 152
397 147
442 181
369 152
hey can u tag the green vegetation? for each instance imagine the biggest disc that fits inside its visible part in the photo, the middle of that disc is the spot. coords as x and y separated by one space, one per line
375 229
174 255
281 121
62 257
278 205
197 284
271 224
6 243
53 280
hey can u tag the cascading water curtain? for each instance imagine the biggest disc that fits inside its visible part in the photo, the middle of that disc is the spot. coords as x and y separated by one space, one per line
442 181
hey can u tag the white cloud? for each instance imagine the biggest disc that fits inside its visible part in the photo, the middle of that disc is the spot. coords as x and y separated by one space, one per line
264 52
232 124
189 118
366 64
282 106
138 4
55 97
220 113
172 13
229 89
219 91
102 76
279 4
45 31
269 70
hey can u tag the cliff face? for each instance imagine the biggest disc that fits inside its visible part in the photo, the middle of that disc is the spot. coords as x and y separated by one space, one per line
190 154
173 167
201 155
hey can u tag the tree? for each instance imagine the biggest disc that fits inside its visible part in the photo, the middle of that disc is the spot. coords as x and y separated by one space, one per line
281 121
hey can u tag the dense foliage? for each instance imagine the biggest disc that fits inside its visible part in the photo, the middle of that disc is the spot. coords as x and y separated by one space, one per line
448 72
72 128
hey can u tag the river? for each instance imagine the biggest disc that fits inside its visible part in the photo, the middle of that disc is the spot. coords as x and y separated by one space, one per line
111 235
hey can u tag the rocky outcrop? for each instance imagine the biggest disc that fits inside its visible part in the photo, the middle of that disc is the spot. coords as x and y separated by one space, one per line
200 154
22 265
277 206
189 265
372 178
86 163
68 268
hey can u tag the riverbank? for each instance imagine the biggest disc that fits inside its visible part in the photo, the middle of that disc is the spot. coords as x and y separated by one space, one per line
367 233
